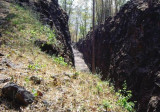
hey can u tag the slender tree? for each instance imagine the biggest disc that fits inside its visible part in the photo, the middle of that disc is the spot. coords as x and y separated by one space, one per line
77 25
65 5
116 6
93 40
102 15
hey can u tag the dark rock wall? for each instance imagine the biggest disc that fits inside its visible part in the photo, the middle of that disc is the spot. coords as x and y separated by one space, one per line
52 15
128 48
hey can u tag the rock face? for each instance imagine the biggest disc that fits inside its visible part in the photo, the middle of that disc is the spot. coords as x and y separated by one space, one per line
13 92
52 15
128 48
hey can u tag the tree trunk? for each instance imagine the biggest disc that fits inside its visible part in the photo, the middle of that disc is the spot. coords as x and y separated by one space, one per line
65 5
102 15
77 29
116 7
93 40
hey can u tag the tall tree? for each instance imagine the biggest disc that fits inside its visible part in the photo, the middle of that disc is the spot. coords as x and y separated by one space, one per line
65 5
93 41
77 25
102 15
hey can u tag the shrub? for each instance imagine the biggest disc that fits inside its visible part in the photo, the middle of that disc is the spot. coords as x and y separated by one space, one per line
107 105
59 60
124 96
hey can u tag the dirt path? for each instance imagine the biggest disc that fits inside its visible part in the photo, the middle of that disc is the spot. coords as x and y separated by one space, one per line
80 65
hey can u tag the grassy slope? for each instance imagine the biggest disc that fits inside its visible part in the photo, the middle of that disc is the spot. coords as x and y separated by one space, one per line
85 93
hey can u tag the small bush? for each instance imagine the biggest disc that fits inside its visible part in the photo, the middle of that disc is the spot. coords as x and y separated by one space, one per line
99 88
124 96
60 60
107 105
35 93
35 66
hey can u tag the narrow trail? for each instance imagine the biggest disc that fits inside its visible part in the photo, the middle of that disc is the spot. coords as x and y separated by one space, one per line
80 64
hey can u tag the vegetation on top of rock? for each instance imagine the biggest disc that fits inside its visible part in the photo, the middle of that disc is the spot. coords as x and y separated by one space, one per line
26 24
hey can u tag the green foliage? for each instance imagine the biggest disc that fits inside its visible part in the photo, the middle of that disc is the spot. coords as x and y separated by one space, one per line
35 93
26 81
77 73
59 60
27 22
99 87
107 104
35 66
51 34
124 96
32 67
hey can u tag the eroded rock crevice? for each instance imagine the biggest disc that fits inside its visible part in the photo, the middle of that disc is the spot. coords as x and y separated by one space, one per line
128 48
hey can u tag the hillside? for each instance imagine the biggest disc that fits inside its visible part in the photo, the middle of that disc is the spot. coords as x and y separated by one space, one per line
55 84
53 16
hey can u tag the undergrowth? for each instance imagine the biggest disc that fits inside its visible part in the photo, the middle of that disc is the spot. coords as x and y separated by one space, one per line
59 60
124 97
24 22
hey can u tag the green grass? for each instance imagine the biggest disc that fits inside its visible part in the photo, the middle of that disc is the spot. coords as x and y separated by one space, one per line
59 60
26 24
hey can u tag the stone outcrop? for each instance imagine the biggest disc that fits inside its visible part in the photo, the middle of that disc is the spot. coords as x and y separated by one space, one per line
128 48
51 14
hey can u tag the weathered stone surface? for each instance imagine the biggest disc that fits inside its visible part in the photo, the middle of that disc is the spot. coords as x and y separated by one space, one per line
45 103
128 48
13 92
36 79
8 63
4 78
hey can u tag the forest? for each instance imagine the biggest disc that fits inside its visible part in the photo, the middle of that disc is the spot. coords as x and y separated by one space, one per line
80 55
80 14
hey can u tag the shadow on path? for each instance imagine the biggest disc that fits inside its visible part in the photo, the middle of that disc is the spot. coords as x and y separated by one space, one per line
80 64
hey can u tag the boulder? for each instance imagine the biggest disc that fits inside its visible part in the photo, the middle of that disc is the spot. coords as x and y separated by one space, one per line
18 94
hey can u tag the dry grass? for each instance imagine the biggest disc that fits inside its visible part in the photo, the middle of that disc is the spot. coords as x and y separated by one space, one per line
86 93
